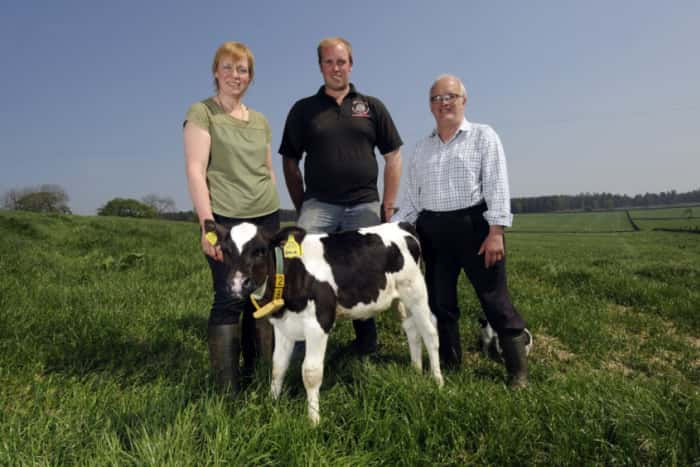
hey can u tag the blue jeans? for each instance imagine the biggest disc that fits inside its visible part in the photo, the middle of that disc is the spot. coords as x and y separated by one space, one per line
319 217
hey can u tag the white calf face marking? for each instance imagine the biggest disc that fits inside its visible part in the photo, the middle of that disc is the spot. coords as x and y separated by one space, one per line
242 234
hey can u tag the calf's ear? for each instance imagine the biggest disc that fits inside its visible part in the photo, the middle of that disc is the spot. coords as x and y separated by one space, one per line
222 232
280 238
266 235
215 233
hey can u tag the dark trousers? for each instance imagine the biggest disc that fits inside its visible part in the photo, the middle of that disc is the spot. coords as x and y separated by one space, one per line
450 242
227 310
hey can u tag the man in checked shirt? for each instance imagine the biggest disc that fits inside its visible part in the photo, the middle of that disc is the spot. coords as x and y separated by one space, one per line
457 193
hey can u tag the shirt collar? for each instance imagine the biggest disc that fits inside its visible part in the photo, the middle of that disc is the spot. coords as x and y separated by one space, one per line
465 126
322 92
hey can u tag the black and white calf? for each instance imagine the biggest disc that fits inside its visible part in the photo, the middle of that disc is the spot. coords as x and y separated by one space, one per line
352 274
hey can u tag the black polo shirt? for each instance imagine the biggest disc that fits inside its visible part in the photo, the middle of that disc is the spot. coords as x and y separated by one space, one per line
339 142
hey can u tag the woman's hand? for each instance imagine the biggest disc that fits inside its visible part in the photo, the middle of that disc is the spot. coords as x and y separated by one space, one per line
210 241
210 250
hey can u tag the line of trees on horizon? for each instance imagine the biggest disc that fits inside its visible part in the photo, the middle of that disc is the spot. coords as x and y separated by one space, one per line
53 199
46 198
601 201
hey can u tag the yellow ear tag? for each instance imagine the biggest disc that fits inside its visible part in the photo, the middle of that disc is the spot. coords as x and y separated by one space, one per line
273 306
211 238
292 249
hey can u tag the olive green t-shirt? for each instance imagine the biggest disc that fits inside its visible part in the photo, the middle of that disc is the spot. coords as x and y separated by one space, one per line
240 184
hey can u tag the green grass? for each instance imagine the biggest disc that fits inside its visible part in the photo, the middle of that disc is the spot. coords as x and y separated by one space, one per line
607 221
674 218
103 360
677 224
664 213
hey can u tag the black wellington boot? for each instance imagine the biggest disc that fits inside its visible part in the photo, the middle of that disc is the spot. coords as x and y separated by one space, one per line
264 339
365 342
450 346
224 351
257 342
248 347
515 358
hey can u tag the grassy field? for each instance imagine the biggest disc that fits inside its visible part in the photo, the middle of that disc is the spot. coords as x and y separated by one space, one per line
676 224
666 213
583 222
103 360
676 218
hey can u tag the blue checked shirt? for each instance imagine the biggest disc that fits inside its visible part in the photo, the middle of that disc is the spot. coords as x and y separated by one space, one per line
458 174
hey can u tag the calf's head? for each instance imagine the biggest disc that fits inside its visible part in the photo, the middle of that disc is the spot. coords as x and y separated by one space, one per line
246 262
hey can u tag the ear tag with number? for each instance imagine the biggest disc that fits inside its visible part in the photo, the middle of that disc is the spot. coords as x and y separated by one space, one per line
211 238
292 249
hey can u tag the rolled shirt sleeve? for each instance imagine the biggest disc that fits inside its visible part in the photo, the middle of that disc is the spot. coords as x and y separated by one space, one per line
495 180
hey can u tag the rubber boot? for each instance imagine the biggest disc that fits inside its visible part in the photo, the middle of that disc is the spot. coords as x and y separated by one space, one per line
264 339
224 351
257 340
515 358
248 347
365 342
450 346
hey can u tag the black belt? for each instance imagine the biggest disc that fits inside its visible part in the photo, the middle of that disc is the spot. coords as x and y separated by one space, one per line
471 210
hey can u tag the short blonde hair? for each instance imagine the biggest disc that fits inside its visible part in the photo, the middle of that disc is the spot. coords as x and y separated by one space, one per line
235 51
331 41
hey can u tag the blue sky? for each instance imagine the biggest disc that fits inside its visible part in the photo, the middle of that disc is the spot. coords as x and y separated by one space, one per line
587 96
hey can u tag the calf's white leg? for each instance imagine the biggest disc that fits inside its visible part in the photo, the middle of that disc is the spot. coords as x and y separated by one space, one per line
312 369
414 344
416 300
427 330
280 361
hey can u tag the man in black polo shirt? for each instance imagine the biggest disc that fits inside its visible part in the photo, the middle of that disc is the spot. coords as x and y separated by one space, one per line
338 129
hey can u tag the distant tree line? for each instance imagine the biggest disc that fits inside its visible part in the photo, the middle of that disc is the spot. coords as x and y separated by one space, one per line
53 199
155 206
50 198
127 207
47 198
601 201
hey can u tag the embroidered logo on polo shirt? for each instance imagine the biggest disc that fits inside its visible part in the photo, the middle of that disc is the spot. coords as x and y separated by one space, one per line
360 108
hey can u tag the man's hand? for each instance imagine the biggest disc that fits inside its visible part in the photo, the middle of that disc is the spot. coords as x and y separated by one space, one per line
392 175
492 248
294 180
386 213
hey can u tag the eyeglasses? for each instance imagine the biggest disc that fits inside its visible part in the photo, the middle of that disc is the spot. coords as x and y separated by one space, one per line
444 98
228 69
